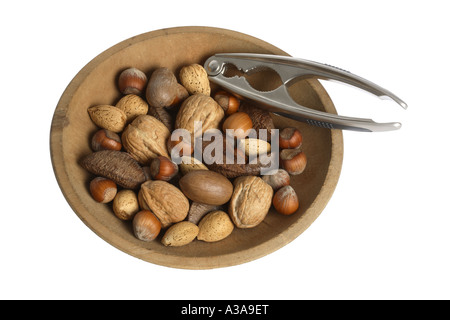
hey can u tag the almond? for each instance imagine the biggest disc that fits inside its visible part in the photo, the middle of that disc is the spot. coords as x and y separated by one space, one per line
215 226
190 163
108 117
254 147
195 79
133 106
180 234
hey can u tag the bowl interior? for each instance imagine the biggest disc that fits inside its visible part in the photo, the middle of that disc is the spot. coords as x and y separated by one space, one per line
96 84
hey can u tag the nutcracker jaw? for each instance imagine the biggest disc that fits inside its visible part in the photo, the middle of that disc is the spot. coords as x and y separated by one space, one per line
291 69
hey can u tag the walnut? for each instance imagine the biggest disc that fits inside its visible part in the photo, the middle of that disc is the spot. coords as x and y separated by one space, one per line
165 200
199 107
145 138
250 202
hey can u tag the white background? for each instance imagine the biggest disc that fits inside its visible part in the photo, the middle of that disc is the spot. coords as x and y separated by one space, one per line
385 233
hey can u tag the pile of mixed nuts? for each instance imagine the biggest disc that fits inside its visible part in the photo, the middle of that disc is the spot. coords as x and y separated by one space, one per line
171 155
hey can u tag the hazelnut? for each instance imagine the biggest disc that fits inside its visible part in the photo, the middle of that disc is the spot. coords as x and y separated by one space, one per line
261 119
132 81
285 200
277 178
293 161
240 122
125 204
290 138
179 147
146 226
228 102
103 190
162 168
105 139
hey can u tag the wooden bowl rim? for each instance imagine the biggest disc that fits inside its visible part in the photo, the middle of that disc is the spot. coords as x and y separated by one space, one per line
235 258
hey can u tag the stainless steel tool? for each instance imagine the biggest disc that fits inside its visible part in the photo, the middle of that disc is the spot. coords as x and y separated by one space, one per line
280 102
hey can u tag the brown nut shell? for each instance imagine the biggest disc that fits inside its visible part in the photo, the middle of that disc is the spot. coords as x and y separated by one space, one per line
195 79
145 138
180 234
250 202
228 102
108 117
231 168
206 186
165 200
106 140
146 226
125 204
199 107
293 161
133 106
290 138
261 119
102 190
162 168
285 200
198 210
115 165
238 125
190 164
277 178
163 90
215 226
132 81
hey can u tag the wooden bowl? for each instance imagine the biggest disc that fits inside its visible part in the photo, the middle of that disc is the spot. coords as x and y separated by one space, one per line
96 83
